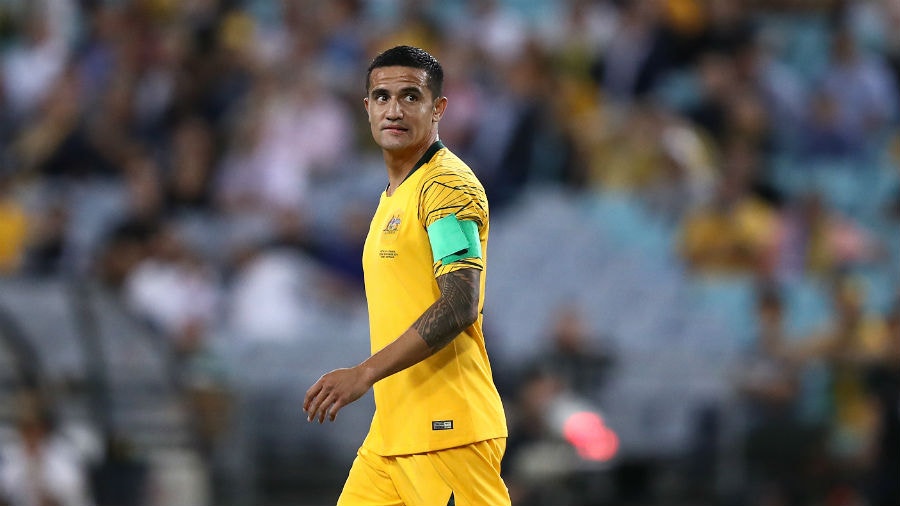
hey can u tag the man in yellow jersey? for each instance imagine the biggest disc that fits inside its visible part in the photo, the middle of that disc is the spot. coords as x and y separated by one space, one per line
439 431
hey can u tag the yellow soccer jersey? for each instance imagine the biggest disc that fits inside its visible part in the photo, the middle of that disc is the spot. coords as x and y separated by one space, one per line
448 399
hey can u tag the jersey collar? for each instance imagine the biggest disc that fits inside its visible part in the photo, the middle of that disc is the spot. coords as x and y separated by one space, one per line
429 154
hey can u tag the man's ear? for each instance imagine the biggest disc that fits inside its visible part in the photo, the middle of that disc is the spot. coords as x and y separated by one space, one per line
440 105
366 104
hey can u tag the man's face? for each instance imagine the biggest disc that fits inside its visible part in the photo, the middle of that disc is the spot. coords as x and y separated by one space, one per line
403 114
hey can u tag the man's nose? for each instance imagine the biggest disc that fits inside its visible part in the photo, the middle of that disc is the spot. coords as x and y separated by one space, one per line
394 111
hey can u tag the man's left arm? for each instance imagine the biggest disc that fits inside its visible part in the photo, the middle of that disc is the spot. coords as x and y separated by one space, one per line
454 311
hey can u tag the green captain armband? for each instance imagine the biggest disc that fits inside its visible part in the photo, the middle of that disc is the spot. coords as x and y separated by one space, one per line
453 240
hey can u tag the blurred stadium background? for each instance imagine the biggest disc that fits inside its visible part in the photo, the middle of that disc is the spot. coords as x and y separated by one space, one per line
694 260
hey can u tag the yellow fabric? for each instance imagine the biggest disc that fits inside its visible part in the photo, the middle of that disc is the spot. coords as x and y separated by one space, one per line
687 17
13 236
471 473
857 340
455 383
853 407
729 240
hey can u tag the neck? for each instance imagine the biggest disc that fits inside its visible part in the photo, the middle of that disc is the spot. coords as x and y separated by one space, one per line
400 164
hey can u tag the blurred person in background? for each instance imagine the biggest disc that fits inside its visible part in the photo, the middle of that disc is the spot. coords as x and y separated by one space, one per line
125 242
420 26
637 56
121 249
824 134
142 179
459 127
175 291
578 40
884 21
574 355
731 108
42 465
628 153
734 233
748 122
500 31
854 100
510 133
14 226
438 411
178 294
653 153
854 344
55 143
778 447
190 167
530 482
48 246
729 25
884 383
779 87
262 174
34 62
267 296
815 240
687 172
566 376
265 170
717 82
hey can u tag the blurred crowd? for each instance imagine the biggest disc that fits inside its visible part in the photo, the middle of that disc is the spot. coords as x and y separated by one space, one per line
203 158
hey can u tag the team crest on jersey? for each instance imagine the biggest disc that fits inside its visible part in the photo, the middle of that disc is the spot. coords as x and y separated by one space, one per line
393 225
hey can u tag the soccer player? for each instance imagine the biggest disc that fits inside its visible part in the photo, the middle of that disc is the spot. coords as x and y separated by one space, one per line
439 431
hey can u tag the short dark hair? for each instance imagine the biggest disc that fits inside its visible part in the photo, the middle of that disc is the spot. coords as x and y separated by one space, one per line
408 56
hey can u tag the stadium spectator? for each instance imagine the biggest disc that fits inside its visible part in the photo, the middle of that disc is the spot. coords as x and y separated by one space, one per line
780 449
43 464
48 247
636 58
574 355
853 344
190 166
816 241
854 100
14 227
627 154
529 429
884 384
500 31
34 63
566 375
264 300
517 123
579 38
729 27
687 171
175 291
735 233
779 87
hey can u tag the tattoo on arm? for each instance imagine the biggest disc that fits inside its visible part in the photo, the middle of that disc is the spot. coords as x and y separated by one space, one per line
454 311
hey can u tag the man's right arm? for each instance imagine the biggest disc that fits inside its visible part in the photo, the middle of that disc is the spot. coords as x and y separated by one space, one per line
454 311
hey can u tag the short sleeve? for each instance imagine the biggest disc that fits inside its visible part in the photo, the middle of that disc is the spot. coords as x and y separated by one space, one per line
447 191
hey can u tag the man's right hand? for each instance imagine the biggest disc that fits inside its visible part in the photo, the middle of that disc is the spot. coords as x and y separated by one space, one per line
333 391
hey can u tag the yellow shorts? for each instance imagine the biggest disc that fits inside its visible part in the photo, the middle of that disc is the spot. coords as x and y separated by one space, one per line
469 474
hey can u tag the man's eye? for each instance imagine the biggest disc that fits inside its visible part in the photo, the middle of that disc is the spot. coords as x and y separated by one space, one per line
411 98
